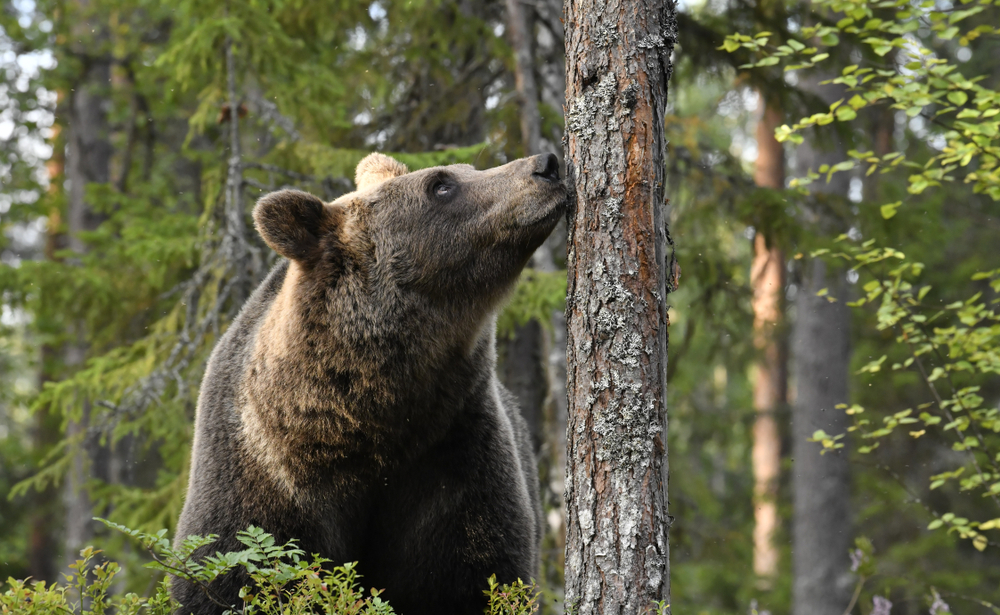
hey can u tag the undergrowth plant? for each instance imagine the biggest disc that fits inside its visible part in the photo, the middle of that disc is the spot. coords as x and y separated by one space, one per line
285 582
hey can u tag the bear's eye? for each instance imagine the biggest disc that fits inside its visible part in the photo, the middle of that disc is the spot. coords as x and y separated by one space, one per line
443 189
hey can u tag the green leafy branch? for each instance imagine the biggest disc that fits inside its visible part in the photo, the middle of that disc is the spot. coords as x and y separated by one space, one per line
915 81
959 341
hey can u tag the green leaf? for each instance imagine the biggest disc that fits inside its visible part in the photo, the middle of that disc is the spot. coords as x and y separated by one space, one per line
889 209
856 102
958 97
846 113
730 45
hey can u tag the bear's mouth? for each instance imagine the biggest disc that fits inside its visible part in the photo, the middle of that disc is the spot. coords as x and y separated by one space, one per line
555 211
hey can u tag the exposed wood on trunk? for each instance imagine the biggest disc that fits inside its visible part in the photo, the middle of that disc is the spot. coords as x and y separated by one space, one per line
770 381
617 67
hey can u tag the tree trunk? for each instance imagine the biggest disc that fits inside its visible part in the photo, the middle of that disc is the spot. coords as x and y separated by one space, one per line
42 542
523 371
523 367
821 535
770 380
617 67
88 161
520 30
822 528
536 36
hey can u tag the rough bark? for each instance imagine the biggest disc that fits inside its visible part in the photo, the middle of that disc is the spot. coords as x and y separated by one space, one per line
88 160
770 381
617 67
821 533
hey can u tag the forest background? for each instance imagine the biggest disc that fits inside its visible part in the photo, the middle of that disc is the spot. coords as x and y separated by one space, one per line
135 136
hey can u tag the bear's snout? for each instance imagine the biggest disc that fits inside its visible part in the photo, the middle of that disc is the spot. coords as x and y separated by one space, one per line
547 168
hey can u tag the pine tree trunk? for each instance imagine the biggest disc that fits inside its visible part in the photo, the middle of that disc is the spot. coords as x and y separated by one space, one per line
42 542
617 67
520 31
770 383
821 533
523 368
88 161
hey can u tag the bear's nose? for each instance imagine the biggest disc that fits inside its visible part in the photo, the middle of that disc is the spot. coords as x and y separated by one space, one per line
547 168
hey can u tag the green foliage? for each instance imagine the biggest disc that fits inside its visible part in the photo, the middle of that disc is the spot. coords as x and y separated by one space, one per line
511 598
924 410
954 349
535 297
924 85
88 590
285 582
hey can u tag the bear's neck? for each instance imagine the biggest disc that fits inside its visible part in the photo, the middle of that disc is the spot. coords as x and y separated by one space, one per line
321 395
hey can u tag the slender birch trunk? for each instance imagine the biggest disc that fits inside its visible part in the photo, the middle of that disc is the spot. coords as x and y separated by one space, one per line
617 67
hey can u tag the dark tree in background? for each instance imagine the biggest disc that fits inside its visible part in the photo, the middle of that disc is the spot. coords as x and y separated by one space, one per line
821 352
617 67
88 161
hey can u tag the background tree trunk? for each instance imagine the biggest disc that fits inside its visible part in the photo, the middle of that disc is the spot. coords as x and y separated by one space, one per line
617 67
88 161
770 384
524 363
821 533
822 497
520 29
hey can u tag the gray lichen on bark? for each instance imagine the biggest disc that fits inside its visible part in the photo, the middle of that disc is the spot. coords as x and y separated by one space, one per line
617 71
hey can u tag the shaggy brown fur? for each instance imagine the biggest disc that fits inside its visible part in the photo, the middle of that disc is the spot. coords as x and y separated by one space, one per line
354 405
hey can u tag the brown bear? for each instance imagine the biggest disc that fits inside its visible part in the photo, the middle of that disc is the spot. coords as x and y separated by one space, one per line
353 404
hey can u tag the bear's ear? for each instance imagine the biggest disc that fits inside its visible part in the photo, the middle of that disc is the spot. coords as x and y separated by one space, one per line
376 168
293 222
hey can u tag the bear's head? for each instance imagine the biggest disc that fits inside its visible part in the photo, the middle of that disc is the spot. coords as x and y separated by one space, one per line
444 243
